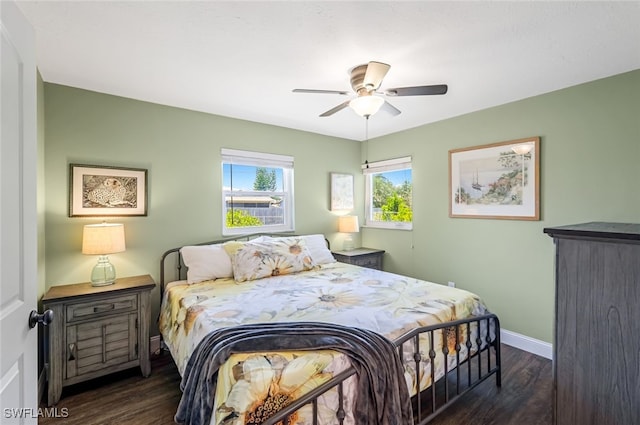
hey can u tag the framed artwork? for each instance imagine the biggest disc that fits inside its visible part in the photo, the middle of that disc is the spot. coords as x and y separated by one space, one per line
499 181
341 192
107 191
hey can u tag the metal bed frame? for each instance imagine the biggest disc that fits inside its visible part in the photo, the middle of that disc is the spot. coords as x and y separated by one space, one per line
466 374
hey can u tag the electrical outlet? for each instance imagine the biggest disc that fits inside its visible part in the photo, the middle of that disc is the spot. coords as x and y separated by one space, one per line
452 284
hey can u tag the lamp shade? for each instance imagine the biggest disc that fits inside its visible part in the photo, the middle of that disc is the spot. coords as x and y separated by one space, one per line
102 239
348 224
366 105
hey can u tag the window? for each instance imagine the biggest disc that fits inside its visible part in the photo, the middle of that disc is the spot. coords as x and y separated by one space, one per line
388 188
257 192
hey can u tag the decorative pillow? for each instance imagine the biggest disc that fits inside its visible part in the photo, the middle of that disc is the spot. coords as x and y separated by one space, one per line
232 247
320 253
256 260
206 262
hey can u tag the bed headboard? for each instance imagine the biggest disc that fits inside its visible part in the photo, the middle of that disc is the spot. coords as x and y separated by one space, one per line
172 266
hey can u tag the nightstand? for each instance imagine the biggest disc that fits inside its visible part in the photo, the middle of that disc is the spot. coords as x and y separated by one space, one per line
364 257
97 330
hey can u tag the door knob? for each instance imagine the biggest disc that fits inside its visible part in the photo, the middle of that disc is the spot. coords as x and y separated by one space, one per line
44 318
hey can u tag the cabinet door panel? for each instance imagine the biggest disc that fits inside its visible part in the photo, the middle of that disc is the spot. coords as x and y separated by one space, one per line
100 344
95 363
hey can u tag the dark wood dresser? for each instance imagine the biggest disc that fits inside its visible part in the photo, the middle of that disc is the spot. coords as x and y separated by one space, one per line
597 328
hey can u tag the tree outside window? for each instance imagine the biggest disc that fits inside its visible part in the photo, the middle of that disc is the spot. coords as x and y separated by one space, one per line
389 189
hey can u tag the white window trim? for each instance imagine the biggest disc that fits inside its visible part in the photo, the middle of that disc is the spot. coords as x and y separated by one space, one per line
260 159
376 167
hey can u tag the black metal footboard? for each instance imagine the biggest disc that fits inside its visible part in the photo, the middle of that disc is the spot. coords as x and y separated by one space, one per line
472 349
470 346
312 398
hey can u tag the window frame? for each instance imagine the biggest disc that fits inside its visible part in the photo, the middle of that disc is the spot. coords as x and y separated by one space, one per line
369 170
266 160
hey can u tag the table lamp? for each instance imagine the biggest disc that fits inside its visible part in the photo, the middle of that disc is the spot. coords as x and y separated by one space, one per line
348 224
103 239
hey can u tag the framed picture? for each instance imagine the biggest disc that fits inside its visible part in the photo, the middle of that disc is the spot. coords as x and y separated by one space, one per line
341 192
500 180
107 191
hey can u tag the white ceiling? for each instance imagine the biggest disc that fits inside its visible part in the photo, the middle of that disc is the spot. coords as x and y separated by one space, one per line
242 59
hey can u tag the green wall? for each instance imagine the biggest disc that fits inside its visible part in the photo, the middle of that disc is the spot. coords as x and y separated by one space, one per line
589 169
181 150
590 145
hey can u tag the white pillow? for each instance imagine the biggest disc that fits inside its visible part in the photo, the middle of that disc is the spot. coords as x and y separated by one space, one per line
317 246
206 262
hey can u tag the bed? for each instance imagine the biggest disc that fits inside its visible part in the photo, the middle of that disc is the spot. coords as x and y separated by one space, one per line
280 312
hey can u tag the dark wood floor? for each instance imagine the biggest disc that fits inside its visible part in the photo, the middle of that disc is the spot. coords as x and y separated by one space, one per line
128 398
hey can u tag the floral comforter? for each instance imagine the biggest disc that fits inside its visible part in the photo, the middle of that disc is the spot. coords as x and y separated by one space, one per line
251 384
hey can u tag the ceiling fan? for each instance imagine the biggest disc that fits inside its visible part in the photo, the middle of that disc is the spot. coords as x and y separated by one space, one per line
365 81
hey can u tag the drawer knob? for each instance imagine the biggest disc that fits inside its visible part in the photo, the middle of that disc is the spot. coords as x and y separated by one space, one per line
44 318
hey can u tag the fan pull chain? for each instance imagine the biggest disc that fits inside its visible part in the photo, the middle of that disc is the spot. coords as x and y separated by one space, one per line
366 129
366 140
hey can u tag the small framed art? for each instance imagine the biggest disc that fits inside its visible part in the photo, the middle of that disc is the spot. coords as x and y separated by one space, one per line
499 181
341 192
96 190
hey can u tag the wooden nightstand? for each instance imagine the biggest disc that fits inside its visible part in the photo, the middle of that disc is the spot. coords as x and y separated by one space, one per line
364 257
97 330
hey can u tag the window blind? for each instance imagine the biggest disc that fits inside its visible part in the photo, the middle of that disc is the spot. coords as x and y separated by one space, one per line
258 159
387 165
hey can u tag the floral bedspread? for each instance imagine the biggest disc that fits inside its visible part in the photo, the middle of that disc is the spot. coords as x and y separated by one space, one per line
338 293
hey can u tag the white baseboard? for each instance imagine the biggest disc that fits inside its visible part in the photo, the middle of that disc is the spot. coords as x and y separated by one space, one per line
523 342
154 344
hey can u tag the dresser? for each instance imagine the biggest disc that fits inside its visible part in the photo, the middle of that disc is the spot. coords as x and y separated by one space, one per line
596 362
364 257
97 330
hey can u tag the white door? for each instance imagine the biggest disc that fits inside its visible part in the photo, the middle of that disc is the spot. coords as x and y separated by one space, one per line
18 219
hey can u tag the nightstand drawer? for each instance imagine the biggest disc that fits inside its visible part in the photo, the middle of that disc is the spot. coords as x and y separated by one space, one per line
371 261
97 308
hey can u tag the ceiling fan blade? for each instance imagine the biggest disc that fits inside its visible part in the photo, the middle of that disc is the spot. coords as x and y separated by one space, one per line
417 91
320 91
375 74
332 111
390 108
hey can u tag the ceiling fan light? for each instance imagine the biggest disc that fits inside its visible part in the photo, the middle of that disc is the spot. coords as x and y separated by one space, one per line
366 105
